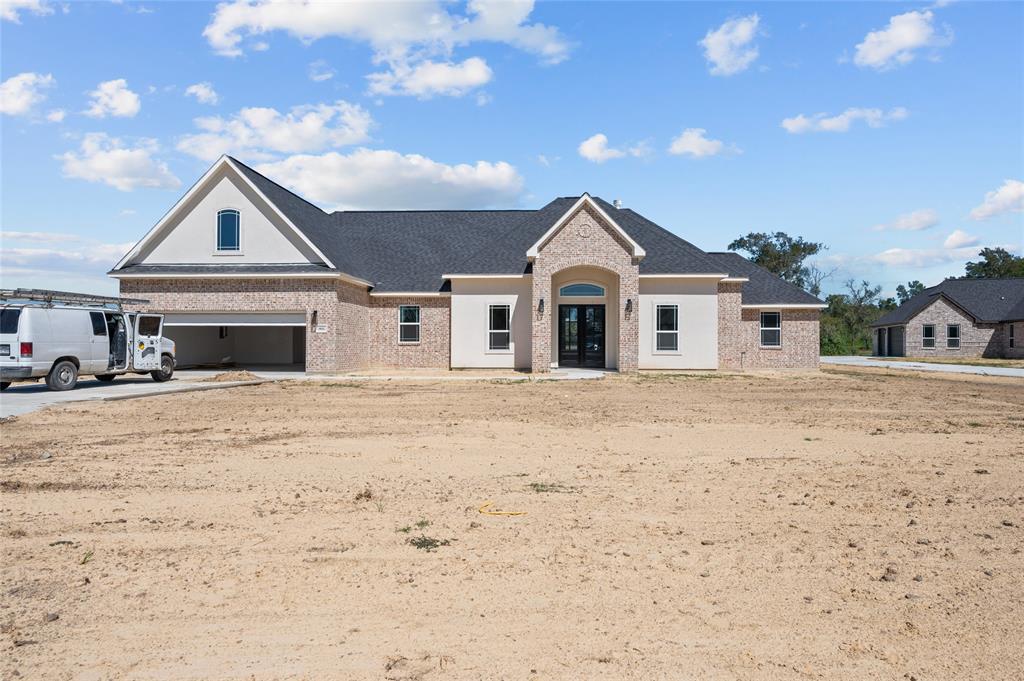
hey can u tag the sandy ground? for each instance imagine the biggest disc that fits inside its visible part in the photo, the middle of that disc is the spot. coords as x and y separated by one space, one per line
843 525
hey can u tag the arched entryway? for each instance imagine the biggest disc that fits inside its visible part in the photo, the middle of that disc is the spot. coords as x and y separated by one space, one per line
584 316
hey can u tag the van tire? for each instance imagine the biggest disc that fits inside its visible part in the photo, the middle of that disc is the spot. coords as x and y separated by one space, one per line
165 371
63 376
5 385
106 378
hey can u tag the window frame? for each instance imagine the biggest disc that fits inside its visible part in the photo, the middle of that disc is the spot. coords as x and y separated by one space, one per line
415 324
950 338
217 250
762 328
1012 340
602 294
508 349
102 327
658 331
925 338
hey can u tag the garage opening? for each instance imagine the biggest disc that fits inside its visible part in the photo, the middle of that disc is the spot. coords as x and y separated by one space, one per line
256 340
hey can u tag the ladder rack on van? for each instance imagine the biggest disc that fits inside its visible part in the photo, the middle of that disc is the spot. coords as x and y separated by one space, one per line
47 298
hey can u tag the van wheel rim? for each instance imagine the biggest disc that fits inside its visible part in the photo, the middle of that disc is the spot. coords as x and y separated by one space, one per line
64 375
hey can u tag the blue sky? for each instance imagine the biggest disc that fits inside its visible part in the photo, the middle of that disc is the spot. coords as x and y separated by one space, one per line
892 132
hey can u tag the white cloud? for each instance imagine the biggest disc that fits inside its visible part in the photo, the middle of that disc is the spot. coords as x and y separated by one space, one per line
483 99
203 92
56 116
113 98
69 268
39 237
896 44
728 48
695 142
106 159
429 78
960 239
256 132
407 37
1009 198
911 222
375 179
20 93
923 257
823 122
595 148
9 9
320 70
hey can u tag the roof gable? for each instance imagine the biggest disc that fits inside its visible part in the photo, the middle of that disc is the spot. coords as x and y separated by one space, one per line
984 300
635 249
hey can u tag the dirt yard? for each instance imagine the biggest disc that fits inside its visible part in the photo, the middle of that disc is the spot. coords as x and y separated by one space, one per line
843 525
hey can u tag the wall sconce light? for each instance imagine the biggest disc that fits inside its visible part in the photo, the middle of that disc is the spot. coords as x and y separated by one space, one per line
312 319
540 306
629 305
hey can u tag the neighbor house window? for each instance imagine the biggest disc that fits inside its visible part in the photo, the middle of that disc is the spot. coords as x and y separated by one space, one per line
771 329
228 236
409 323
666 331
1012 341
928 336
952 335
499 329
581 290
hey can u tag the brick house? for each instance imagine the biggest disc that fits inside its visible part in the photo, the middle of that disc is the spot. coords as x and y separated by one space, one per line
957 318
246 271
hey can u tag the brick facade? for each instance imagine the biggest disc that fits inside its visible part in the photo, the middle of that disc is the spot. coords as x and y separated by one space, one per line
434 347
976 340
739 335
586 240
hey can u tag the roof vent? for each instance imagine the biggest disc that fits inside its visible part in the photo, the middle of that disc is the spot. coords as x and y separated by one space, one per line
617 203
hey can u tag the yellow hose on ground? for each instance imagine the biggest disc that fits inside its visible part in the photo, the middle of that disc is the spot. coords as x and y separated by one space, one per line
483 509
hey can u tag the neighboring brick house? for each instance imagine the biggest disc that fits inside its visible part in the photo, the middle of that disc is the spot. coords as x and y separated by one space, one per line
957 318
247 272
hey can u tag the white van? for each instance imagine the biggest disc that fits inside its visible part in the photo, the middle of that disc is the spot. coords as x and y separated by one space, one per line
64 342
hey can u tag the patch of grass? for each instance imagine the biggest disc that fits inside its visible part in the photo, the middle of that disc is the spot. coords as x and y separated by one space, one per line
550 487
428 543
975 424
421 523
365 495
349 384
87 557
405 530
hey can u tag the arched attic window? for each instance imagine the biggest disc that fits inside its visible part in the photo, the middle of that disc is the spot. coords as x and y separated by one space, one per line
581 290
229 230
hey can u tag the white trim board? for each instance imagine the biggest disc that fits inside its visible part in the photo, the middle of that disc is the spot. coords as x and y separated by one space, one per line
722 276
785 306
485 276
410 294
238 275
534 250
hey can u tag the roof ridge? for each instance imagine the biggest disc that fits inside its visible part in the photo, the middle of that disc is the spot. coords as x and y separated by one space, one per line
277 184
441 210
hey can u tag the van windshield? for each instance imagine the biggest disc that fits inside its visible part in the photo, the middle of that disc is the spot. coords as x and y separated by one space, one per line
9 321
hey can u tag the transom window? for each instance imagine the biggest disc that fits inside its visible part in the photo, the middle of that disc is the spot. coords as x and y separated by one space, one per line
771 329
228 235
952 335
928 336
499 328
666 332
408 323
581 290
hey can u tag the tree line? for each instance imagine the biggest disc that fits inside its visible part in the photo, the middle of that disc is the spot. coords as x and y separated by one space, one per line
846 322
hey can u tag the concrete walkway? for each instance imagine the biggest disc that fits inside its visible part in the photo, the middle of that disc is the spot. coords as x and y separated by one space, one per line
924 366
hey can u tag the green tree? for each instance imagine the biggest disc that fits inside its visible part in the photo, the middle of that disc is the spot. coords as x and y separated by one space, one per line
846 323
780 254
995 263
905 293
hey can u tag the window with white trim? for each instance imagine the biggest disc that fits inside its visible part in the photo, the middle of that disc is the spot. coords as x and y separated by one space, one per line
771 329
928 336
499 327
408 323
229 230
666 328
952 335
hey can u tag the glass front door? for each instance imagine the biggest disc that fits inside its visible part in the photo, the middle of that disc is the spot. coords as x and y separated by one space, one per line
581 336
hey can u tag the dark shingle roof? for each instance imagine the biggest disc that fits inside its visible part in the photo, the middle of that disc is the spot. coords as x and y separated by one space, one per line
411 250
268 269
764 288
986 300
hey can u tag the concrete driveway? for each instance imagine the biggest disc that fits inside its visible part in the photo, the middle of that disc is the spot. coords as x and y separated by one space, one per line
924 366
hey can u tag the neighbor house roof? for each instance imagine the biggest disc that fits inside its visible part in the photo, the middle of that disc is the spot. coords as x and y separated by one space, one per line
412 250
986 300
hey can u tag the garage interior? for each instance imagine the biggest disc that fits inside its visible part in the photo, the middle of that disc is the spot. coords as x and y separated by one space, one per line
265 341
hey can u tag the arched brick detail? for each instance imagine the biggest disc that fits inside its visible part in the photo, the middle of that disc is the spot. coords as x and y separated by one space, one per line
586 240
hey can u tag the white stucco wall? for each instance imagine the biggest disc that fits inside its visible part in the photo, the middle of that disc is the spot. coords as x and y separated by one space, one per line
192 237
470 300
698 323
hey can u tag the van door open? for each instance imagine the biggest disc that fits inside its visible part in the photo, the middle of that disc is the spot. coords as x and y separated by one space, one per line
146 343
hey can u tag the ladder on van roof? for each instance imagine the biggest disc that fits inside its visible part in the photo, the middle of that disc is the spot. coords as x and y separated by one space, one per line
47 298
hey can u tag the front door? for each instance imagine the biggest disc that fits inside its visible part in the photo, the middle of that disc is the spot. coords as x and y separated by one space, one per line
581 336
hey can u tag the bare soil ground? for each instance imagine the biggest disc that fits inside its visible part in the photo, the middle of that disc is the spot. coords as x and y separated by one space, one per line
812 526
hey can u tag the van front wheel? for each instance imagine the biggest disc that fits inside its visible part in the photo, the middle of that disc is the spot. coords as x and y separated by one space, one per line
63 376
166 370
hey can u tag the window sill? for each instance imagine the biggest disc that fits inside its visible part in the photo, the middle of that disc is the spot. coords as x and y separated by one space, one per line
771 347
499 352
408 342
228 253
669 353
